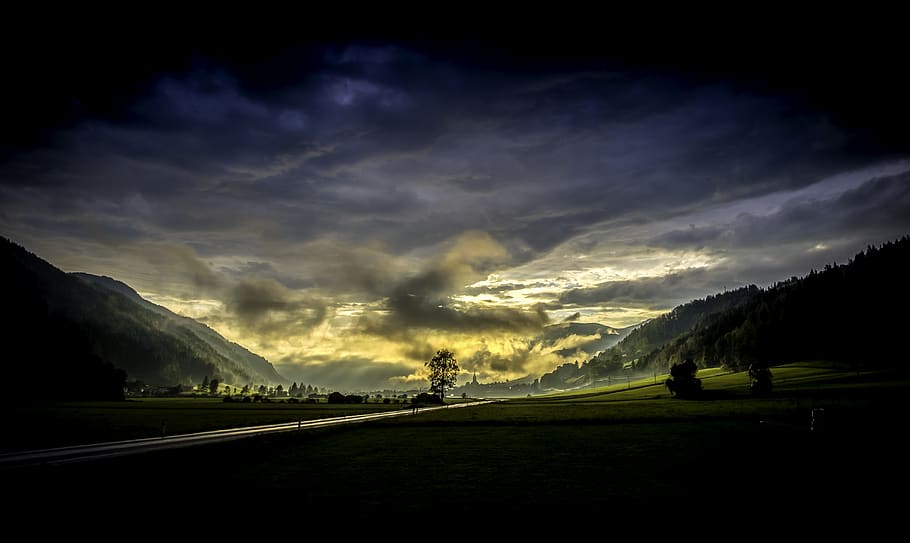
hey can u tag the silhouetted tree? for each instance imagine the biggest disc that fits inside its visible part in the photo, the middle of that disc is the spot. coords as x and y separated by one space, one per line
213 386
682 382
443 371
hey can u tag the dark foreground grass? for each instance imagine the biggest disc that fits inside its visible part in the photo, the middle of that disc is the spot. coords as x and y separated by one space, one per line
623 464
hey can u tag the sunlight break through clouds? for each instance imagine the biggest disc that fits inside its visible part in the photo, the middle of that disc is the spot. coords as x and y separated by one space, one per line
346 208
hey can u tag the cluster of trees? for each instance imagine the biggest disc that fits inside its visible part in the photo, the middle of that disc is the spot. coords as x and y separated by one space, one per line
301 391
296 391
338 397
566 375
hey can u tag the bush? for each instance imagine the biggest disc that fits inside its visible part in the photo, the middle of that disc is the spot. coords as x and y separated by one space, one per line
682 382
425 398
337 397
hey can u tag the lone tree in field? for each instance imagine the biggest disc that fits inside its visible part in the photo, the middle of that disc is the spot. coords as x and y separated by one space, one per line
682 382
443 371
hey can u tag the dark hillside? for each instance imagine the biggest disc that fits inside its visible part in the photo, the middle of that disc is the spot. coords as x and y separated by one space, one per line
79 336
851 313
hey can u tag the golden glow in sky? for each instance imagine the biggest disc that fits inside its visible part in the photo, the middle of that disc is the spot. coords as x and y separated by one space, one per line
348 209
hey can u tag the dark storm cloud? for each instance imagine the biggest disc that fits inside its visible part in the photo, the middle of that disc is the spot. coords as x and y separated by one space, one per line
878 209
474 183
411 311
198 273
503 289
651 292
803 232
269 308
692 237
298 176
484 361
881 205
251 267
412 146
423 302
424 299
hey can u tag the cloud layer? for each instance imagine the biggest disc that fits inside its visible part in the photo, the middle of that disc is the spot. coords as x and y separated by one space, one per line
348 206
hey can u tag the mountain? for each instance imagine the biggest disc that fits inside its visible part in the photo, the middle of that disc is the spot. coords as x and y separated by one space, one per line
582 339
803 318
619 347
800 318
63 325
241 360
659 331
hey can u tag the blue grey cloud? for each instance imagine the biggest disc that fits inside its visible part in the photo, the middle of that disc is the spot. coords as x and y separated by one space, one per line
311 174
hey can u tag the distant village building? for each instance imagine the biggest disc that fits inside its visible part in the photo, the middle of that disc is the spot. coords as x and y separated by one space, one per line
520 387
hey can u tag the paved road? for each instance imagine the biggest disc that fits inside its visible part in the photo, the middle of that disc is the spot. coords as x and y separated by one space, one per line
95 451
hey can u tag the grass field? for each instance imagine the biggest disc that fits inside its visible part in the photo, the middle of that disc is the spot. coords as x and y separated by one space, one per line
602 456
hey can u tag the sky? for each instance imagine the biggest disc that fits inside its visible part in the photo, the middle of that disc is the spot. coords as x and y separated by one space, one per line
347 199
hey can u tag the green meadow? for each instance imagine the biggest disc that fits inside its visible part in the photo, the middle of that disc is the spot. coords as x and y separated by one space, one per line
627 449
